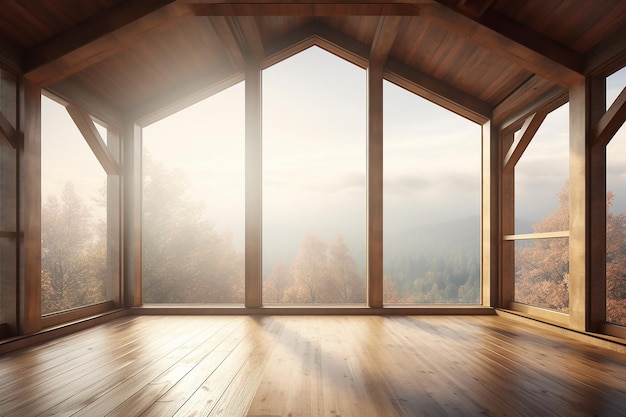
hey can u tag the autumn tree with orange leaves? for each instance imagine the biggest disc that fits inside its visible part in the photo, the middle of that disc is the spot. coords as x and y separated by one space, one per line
542 267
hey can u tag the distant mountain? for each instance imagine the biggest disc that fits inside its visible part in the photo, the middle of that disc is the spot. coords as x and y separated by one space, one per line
459 235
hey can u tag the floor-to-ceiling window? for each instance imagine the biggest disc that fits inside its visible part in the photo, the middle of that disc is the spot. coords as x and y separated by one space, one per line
314 180
193 203
79 260
431 195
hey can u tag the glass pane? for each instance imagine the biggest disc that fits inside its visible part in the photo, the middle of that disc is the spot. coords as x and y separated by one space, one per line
73 216
541 273
616 229
615 83
102 131
541 176
314 180
431 183
193 203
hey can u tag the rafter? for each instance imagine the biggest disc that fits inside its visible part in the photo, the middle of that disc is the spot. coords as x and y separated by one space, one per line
98 38
512 41
87 128
385 35
527 132
318 9
611 122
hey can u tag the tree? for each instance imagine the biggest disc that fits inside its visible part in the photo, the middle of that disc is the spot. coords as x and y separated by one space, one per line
185 260
542 268
73 254
278 281
347 285
615 264
310 274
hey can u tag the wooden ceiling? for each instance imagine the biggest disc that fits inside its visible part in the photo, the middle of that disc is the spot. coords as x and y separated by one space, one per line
137 57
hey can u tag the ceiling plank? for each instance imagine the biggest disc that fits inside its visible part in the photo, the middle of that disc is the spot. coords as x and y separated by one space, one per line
527 133
438 92
226 36
251 35
474 8
612 121
535 93
83 121
318 9
98 38
8 130
512 41
185 95
607 57
70 91
385 35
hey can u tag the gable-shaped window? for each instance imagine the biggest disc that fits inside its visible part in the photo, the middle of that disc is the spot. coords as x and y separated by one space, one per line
314 180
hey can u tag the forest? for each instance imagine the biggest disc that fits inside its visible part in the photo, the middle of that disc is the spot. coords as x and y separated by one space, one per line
186 260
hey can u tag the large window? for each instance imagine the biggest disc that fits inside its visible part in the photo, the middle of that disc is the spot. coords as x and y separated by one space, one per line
616 213
541 215
193 203
78 266
431 183
314 180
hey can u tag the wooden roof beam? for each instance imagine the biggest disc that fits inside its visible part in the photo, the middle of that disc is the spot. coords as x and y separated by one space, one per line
612 121
98 38
316 9
94 140
385 35
513 41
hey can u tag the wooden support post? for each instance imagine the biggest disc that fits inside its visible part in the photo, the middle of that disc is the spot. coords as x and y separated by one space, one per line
114 236
596 315
507 226
490 215
132 248
29 190
586 108
375 185
254 271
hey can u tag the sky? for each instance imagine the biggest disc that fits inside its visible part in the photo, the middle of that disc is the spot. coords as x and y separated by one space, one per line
314 156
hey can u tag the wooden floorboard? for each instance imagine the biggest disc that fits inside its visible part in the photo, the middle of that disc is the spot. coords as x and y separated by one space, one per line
291 366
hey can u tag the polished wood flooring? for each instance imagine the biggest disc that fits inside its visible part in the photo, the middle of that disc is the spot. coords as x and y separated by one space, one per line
313 366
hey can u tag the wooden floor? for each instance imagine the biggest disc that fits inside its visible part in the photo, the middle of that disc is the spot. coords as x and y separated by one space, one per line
313 366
